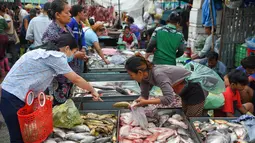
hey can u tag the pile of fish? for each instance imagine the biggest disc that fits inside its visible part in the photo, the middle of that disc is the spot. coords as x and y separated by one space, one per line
96 129
109 89
165 126
220 131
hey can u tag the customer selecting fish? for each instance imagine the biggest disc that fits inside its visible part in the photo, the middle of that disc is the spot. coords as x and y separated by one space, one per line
170 79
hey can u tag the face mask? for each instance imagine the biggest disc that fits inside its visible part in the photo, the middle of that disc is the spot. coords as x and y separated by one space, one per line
69 59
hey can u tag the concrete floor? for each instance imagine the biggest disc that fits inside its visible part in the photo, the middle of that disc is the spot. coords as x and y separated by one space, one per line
4 135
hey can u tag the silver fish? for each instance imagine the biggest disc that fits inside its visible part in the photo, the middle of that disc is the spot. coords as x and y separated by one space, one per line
186 139
103 140
50 140
183 132
75 137
176 122
163 119
88 139
222 126
68 132
177 117
151 125
165 112
233 124
81 128
58 139
58 132
67 142
174 139
240 132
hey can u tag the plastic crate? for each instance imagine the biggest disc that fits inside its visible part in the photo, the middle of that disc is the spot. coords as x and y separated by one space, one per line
240 53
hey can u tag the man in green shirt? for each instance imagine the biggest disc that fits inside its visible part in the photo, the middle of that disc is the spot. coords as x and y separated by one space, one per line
169 43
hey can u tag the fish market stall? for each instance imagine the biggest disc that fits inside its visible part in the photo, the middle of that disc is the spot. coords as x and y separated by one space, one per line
90 126
163 125
116 57
219 129
105 77
111 92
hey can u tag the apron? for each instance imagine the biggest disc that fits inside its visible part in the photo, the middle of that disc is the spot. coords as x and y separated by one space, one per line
128 39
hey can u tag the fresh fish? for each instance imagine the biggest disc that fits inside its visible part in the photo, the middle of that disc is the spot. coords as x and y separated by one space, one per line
50 140
75 137
58 132
103 140
81 128
121 105
174 139
139 130
196 123
58 139
163 119
121 91
158 130
151 125
163 136
68 132
240 132
221 121
183 132
152 138
125 141
154 120
186 139
234 124
103 87
126 118
133 136
105 116
88 139
67 142
233 137
125 130
222 126
137 141
177 117
208 127
176 122
166 112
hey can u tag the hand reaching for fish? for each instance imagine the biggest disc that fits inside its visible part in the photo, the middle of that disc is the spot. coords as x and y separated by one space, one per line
96 96
141 102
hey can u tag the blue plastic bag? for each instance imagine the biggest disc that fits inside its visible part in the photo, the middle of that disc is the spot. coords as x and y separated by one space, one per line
208 79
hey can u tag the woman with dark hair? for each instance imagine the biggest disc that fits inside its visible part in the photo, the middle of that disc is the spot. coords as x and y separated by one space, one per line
134 28
128 38
35 71
3 42
171 79
60 15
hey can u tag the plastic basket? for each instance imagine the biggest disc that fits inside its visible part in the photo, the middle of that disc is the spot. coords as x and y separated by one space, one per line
250 52
35 118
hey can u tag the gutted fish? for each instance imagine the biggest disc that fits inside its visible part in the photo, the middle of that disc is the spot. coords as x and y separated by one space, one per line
140 131
125 130
165 135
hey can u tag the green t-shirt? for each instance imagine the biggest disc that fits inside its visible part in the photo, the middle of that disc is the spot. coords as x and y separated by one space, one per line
3 25
168 41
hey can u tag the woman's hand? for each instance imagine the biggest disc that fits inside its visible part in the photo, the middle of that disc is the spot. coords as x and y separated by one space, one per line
106 61
141 102
80 55
96 96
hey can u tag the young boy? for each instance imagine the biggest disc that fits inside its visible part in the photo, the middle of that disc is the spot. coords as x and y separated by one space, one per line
233 106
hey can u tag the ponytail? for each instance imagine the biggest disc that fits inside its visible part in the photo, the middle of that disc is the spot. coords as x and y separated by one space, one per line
138 62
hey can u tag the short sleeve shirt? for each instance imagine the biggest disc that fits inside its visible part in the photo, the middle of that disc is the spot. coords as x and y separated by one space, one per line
251 77
90 36
33 72
232 101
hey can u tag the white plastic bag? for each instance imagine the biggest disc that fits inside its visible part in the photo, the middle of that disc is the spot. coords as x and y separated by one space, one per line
152 9
139 117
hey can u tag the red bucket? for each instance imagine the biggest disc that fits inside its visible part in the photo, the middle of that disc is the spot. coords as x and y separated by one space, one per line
35 118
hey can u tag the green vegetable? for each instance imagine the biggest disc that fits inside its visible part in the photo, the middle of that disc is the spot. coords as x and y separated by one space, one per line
66 115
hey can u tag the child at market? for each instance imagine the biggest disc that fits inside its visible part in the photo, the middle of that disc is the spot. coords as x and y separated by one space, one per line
248 67
233 106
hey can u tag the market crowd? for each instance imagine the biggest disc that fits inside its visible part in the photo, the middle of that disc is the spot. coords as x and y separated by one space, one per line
53 42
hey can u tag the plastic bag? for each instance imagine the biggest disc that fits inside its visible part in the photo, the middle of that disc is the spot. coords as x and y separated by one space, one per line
208 79
66 115
152 9
214 101
250 41
139 117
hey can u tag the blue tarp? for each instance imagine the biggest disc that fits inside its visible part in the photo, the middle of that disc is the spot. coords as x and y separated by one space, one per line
206 18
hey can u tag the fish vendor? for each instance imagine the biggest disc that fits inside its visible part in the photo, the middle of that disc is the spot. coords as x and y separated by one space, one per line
171 79
128 38
35 71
